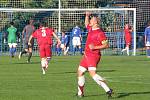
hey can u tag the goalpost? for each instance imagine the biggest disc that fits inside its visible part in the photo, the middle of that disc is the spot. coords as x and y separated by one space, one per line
112 21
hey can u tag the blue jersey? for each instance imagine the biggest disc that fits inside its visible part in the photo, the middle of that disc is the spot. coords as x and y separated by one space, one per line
76 32
147 33
64 40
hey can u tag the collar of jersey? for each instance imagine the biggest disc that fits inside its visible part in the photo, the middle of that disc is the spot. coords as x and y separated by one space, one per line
95 29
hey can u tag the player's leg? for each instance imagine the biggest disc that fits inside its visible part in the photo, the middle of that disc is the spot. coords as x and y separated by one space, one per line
44 62
11 49
44 65
48 53
79 45
81 80
148 51
127 48
14 48
74 43
80 49
99 80
92 62
66 50
25 50
30 51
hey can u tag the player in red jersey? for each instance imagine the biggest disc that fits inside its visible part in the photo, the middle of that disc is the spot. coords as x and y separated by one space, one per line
44 40
127 34
96 41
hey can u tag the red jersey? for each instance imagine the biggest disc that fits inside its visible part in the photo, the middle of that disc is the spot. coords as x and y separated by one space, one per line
127 35
95 37
43 36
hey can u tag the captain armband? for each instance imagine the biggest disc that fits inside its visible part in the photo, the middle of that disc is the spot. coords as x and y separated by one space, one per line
105 42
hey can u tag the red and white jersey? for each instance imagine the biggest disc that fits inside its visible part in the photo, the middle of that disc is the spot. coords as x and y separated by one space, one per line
43 35
95 37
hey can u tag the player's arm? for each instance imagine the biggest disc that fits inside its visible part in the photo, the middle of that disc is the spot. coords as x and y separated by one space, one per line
56 37
87 20
104 45
23 32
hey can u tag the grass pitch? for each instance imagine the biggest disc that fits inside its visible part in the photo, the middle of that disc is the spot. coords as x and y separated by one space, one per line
128 76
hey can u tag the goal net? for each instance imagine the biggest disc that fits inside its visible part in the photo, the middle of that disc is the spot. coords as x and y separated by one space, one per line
112 22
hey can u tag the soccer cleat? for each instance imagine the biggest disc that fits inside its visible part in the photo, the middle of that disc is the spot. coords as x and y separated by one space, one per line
123 50
19 55
109 93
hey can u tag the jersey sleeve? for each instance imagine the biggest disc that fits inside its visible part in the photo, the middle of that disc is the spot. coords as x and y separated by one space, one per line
145 33
102 38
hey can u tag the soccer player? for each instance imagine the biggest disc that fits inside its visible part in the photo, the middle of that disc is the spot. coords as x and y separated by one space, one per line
64 43
26 33
76 40
147 39
127 33
96 41
44 40
12 39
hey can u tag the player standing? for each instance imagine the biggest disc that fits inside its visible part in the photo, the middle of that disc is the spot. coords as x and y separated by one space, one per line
12 39
76 40
127 33
44 40
147 39
96 41
64 43
26 33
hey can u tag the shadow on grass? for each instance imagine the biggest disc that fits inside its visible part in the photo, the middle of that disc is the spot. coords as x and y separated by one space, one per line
118 95
121 95
74 72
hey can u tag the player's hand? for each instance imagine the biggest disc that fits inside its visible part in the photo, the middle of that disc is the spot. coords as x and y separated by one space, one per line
88 13
91 46
59 42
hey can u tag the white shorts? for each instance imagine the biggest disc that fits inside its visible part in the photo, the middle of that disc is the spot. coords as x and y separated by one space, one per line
62 46
76 41
12 45
148 44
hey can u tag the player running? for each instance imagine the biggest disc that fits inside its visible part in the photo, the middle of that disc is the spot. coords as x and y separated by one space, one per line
96 41
26 33
44 40
127 33
64 43
147 39
76 40
12 39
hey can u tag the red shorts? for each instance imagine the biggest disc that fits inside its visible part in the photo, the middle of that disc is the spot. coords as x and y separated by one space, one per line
89 61
45 51
128 42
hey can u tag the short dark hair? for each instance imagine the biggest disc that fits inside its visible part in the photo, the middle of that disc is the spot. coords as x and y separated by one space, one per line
11 23
43 23
93 15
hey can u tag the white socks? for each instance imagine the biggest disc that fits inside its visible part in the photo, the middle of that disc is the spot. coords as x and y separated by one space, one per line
100 81
81 81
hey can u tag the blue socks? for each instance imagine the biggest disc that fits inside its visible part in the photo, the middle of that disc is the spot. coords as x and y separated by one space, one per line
80 50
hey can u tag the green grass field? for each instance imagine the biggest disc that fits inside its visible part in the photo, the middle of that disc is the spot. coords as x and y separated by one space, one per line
128 76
